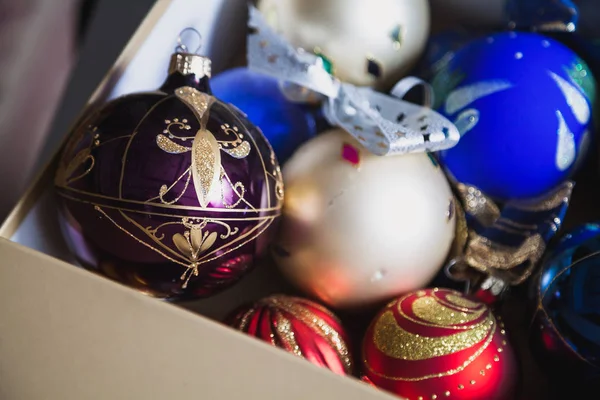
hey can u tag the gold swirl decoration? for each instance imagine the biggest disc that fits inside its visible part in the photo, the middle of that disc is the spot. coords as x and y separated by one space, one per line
430 326
440 308
461 301
301 311
396 342
430 309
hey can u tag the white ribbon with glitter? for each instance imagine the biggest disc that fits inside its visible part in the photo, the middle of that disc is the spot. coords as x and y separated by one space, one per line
384 124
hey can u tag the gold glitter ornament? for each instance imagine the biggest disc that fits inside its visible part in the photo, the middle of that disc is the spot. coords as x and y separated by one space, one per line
437 341
299 326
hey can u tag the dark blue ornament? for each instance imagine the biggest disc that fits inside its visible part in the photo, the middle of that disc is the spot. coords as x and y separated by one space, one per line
543 15
440 49
565 333
523 105
286 125
576 237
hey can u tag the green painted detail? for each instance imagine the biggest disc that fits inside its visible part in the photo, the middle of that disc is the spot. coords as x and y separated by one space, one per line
327 62
433 160
581 75
396 36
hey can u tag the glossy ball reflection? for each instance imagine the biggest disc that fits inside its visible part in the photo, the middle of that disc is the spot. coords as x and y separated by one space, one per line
565 332
299 326
286 125
523 104
436 344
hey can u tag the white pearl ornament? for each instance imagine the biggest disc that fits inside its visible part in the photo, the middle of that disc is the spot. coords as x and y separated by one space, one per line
358 228
368 43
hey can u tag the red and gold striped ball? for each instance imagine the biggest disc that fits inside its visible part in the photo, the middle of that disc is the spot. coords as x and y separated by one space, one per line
439 344
299 326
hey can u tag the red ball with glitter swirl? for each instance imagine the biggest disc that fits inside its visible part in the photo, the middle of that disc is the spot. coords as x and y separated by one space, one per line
439 344
299 326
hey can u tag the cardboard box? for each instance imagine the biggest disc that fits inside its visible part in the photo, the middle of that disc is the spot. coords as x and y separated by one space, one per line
66 333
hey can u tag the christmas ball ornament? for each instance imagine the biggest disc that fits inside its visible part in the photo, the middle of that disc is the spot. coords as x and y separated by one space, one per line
576 237
286 125
565 333
359 228
172 192
523 105
359 43
299 326
440 49
437 344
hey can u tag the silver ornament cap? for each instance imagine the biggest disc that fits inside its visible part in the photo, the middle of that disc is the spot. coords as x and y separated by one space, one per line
189 63
186 62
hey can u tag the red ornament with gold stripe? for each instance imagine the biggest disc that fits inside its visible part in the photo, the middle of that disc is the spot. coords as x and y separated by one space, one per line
439 344
299 326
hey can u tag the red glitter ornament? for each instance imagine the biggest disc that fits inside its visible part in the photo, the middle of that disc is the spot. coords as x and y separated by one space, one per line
299 326
438 344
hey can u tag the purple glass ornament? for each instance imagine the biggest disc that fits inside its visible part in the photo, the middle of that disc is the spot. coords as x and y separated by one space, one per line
171 192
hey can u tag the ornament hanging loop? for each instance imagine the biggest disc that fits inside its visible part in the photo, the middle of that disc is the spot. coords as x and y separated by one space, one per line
452 270
185 48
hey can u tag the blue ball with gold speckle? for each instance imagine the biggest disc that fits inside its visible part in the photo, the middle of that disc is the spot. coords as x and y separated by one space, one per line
523 105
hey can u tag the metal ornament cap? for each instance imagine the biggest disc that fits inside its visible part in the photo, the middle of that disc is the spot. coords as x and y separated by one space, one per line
188 63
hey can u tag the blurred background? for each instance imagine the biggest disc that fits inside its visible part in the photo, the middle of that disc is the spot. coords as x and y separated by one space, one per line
54 54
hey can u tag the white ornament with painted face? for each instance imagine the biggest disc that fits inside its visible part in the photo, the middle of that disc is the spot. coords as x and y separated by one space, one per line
367 43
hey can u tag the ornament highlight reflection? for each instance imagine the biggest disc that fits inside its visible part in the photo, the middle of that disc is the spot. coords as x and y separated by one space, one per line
565 332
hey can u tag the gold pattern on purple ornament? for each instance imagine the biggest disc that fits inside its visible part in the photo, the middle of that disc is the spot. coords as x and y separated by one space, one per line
197 101
276 175
206 169
64 174
192 244
176 227
238 188
169 146
206 165
237 148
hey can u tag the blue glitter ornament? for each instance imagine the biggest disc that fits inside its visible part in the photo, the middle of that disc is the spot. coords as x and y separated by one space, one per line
565 333
523 105
285 124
